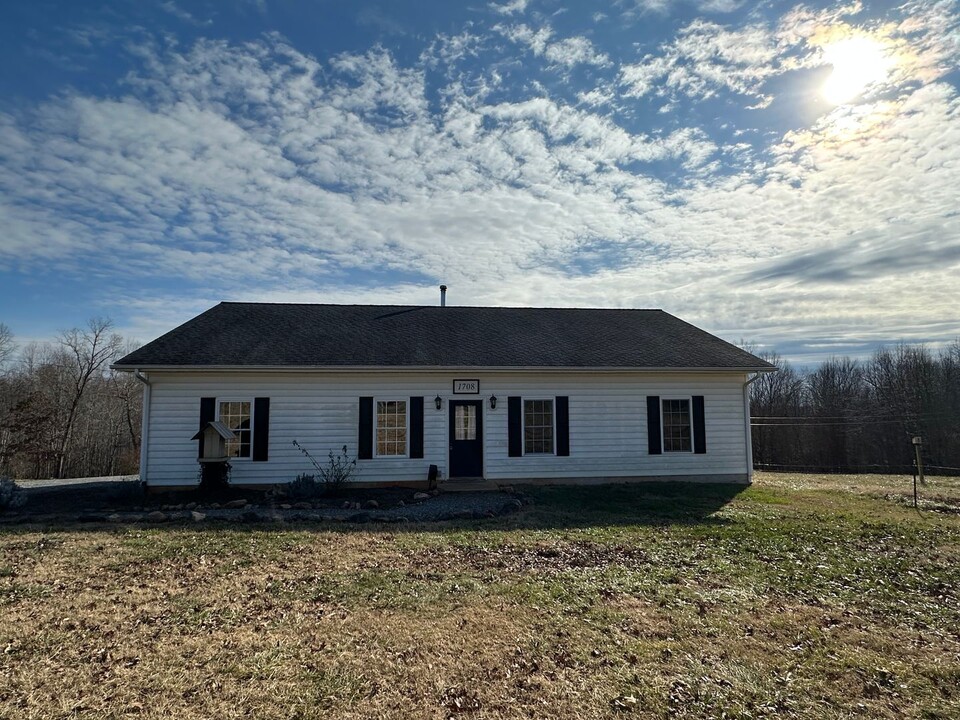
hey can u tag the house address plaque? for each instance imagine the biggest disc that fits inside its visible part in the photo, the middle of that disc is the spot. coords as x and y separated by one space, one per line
466 387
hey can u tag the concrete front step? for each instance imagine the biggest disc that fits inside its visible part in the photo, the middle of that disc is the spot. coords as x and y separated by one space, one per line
469 484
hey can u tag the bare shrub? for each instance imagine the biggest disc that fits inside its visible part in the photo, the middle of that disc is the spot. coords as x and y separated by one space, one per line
338 470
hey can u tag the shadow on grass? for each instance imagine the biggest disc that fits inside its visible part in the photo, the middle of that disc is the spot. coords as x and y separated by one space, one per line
544 507
654 503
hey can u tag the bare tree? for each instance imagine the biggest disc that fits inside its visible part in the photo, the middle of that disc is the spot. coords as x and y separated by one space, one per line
847 415
776 395
89 351
36 397
126 389
7 346
838 402
29 393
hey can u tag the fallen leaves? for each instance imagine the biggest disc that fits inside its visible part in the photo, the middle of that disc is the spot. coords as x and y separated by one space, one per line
757 610
459 700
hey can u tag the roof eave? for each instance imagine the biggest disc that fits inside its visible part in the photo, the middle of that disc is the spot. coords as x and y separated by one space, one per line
433 368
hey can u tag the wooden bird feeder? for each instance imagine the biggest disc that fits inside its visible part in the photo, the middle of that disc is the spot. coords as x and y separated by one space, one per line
213 442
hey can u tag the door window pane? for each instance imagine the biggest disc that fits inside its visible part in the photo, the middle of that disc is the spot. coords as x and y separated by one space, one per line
465 422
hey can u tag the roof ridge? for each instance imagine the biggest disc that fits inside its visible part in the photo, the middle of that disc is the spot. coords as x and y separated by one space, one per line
447 307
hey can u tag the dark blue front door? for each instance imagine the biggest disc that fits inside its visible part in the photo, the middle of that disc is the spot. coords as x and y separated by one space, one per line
466 438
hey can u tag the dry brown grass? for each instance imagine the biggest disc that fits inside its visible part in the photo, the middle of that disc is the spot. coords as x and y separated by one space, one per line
862 483
795 598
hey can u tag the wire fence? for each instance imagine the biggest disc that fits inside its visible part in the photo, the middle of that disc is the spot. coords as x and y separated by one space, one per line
941 470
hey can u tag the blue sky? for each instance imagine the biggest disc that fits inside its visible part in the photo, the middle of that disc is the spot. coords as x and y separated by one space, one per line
783 173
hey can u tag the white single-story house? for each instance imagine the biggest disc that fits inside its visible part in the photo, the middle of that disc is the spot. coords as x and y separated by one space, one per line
504 394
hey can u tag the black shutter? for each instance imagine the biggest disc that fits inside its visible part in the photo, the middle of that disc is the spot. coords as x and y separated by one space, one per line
261 428
365 433
514 427
699 426
416 427
563 426
653 425
208 413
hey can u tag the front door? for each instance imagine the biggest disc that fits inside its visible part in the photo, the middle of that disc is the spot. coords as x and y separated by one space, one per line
466 438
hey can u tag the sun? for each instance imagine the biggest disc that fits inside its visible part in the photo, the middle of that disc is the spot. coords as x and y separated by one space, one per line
858 62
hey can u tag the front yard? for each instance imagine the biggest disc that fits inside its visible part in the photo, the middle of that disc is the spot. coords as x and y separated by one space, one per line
798 597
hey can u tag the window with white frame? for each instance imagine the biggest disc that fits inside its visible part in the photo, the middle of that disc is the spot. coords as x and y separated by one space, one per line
677 428
537 427
235 414
391 427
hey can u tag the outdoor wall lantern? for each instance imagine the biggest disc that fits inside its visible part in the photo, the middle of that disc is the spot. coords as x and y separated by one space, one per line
493 402
438 401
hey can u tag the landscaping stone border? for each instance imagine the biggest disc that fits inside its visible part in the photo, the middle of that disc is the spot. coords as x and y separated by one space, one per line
421 507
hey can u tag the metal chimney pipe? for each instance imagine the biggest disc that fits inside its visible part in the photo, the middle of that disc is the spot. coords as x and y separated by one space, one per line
443 296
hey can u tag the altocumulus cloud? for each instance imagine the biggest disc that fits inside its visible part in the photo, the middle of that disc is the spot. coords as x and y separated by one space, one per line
361 178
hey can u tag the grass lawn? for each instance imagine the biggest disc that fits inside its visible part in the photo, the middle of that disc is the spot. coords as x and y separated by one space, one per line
798 597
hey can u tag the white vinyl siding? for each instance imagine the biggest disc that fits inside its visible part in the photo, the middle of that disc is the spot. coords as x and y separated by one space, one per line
607 411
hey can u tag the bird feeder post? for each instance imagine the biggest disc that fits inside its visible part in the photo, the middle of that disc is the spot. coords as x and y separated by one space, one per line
917 444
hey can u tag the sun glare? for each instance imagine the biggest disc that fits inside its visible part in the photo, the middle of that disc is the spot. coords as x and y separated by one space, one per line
858 63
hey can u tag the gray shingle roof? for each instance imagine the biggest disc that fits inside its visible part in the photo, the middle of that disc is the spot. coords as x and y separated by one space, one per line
291 335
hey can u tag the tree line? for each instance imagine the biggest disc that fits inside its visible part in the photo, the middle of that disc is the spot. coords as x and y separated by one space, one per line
63 412
860 416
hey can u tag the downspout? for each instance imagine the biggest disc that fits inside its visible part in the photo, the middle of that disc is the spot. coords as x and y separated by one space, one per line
746 425
144 425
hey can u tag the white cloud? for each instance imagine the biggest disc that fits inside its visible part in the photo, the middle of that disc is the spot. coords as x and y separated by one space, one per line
522 34
513 7
597 96
449 50
293 178
663 7
178 12
566 52
706 58
575 51
641 78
